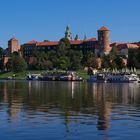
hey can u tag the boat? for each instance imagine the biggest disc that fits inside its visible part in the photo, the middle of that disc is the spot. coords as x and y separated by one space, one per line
49 78
97 78
69 76
33 77
122 78
114 78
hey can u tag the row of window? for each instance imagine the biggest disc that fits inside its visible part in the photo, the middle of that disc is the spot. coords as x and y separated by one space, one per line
83 47
28 50
39 48
52 47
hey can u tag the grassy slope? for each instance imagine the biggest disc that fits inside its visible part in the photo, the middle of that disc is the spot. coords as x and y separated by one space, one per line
21 75
82 74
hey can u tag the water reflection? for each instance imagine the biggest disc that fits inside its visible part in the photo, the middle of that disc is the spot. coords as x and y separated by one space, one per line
73 104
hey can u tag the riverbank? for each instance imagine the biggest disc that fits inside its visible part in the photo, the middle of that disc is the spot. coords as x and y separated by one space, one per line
23 75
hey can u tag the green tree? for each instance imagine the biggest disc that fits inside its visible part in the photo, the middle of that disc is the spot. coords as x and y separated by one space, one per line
41 59
63 63
89 59
53 57
9 65
138 54
75 59
134 58
106 62
16 63
46 40
119 62
1 52
114 53
64 43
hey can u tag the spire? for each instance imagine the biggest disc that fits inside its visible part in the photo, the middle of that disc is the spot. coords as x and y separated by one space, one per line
77 37
68 33
85 37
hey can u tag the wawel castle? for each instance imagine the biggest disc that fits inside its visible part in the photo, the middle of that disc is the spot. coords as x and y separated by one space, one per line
100 46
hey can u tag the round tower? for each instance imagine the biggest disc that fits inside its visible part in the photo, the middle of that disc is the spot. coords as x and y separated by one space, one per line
104 40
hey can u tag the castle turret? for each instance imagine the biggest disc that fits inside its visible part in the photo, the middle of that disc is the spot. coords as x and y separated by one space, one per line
76 37
104 40
68 33
13 45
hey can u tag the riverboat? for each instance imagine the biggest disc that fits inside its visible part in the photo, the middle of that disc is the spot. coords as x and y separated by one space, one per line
33 77
69 76
114 78
98 78
122 78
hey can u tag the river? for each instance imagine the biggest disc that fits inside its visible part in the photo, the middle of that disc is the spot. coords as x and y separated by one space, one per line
69 111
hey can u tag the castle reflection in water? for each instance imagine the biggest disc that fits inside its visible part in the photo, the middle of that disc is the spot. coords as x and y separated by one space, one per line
72 100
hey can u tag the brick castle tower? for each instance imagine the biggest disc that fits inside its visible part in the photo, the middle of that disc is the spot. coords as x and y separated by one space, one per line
13 45
104 41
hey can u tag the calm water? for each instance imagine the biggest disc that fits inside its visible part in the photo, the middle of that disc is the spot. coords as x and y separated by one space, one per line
69 111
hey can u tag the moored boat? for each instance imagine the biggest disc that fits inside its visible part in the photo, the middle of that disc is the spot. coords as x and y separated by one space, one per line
97 78
114 78
67 76
33 77
122 78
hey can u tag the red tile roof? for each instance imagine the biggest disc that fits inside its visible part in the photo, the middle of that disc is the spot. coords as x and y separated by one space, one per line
103 28
55 43
76 42
124 45
47 43
90 39
31 42
137 43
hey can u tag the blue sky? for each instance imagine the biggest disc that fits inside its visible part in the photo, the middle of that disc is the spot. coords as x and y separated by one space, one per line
47 19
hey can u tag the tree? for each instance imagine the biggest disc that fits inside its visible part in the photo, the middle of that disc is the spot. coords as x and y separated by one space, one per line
106 62
16 63
119 62
46 40
114 53
64 43
1 52
138 54
89 59
9 65
75 59
134 58
53 57
63 63
41 61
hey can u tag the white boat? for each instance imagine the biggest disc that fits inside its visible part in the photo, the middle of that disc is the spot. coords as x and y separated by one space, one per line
33 77
122 78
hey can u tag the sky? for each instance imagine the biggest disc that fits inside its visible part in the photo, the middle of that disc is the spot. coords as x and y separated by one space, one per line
47 19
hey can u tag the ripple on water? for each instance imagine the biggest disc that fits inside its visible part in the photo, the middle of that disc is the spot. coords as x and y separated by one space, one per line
51 110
